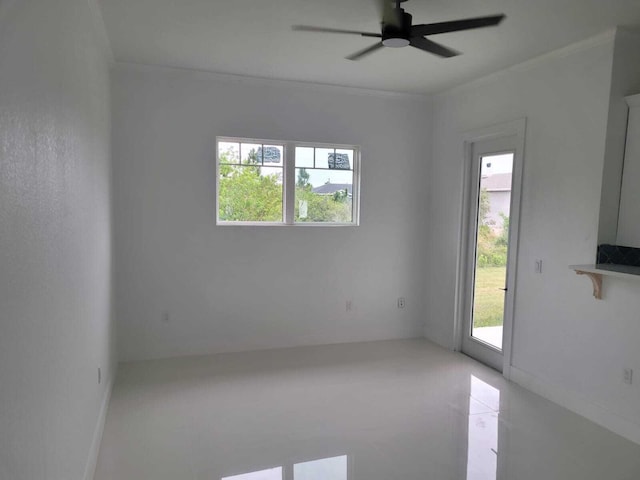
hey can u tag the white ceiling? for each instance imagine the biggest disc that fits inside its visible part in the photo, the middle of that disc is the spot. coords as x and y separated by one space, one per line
254 37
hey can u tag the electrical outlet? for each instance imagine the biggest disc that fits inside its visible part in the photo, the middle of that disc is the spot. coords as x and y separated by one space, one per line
401 302
627 376
348 306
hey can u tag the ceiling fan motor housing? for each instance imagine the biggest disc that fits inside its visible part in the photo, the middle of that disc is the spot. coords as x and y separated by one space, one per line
396 36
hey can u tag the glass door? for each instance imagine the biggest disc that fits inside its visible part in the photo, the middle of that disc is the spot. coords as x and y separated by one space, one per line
492 243
489 219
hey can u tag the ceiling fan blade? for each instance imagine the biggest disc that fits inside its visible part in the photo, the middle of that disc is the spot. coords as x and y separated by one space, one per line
456 25
307 28
366 51
432 47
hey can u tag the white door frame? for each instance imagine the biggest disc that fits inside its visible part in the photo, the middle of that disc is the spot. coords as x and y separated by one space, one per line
517 128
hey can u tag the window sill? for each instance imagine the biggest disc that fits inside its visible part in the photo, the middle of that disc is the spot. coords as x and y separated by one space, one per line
276 224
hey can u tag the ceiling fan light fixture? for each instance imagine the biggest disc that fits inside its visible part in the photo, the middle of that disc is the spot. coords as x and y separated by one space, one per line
396 42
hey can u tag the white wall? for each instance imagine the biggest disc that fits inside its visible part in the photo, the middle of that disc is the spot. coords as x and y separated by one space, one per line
229 288
567 345
55 239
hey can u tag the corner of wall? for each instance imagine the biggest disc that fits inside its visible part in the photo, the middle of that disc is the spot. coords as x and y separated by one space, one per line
94 449
100 30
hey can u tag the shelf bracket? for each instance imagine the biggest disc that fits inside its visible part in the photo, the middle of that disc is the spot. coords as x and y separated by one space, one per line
596 279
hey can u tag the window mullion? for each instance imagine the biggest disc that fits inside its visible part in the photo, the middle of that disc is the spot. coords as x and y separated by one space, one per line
289 182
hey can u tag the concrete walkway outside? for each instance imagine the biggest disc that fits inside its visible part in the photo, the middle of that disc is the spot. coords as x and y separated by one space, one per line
491 335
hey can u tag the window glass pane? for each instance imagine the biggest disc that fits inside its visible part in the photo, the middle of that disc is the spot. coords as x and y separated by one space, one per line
275 172
343 160
323 196
334 468
273 155
251 153
228 152
250 194
304 157
322 157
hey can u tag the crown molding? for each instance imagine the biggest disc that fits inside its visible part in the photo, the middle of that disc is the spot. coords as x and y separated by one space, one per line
268 82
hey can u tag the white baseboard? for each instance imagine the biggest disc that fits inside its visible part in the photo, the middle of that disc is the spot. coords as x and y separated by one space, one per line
576 403
92 461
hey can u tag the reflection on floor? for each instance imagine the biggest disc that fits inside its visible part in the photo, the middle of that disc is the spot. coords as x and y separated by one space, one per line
482 447
369 411
269 474
334 468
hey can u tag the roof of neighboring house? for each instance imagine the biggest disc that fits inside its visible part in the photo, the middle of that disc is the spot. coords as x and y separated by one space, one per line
329 188
498 182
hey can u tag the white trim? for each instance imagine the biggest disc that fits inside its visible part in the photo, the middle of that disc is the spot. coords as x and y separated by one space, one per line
515 128
460 287
272 224
100 29
270 82
94 449
577 404
520 127
289 180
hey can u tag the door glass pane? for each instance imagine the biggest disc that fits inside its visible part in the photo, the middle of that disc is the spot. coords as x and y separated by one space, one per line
492 238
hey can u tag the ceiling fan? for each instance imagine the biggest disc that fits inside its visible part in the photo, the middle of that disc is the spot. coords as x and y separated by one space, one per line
397 31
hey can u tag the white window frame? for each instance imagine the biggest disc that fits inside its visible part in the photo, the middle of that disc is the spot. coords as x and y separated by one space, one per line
289 182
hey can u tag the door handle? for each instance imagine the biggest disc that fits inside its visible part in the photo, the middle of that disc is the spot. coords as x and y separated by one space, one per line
503 289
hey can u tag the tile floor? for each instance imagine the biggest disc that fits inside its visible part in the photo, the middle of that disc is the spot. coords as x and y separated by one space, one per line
389 410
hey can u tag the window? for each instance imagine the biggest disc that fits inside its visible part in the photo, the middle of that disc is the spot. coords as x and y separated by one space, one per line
266 182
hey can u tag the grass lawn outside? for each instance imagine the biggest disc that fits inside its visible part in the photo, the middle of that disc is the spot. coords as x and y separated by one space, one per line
488 305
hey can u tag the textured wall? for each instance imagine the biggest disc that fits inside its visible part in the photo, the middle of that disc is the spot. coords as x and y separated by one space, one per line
55 238
229 288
